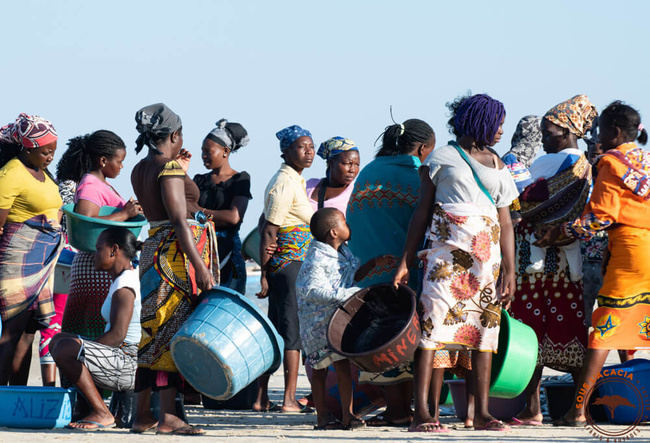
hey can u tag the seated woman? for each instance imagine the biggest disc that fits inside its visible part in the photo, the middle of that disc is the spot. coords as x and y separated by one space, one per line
224 196
110 361
335 189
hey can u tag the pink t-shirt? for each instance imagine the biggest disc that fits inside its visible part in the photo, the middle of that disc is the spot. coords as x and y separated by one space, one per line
98 192
339 202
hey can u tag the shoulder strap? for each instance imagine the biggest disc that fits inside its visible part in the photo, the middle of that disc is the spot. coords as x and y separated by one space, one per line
321 193
463 154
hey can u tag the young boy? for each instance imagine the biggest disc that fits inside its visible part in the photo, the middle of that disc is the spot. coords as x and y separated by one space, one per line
326 278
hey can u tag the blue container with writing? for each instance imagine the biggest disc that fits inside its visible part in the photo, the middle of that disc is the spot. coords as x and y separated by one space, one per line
35 407
624 391
226 344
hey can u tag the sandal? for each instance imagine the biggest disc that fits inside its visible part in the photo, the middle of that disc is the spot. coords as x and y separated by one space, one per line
569 424
434 426
379 421
332 425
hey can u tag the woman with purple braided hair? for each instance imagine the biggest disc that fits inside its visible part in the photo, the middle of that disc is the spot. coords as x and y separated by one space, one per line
463 216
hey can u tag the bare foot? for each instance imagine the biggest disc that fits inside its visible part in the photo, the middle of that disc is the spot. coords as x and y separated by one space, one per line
144 425
173 424
293 406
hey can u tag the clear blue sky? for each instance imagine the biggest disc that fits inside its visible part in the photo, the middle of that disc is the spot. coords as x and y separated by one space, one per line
333 67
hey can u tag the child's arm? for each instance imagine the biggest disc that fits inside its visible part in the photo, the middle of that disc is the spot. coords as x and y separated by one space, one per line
381 260
318 287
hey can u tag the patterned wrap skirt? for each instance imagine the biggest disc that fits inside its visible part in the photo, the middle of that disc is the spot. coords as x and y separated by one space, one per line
28 254
462 258
168 288
622 320
88 290
551 304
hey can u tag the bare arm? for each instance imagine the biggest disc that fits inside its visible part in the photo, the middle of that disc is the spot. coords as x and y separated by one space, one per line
90 209
417 226
508 277
3 219
173 196
268 235
380 260
121 313
227 218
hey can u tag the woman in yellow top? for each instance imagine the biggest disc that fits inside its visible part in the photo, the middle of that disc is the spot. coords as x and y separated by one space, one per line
619 203
287 213
30 238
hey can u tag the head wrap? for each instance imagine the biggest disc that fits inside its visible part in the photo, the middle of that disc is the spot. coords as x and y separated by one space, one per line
29 131
224 136
334 146
289 135
576 114
527 139
155 122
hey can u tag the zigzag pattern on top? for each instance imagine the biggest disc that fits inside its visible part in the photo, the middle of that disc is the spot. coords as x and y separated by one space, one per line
383 195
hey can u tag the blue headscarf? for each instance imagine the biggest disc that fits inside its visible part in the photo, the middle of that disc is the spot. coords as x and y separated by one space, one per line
289 135
334 146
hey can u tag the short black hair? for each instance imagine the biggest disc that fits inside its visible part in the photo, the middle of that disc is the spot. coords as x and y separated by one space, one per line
323 221
125 239
626 118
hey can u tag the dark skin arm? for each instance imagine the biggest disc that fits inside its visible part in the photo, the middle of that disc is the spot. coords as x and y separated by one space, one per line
508 278
417 226
121 313
268 234
3 219
173 196
364 270
227 218
90 209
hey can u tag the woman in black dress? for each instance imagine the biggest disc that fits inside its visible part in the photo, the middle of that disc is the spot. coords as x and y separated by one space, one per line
224 196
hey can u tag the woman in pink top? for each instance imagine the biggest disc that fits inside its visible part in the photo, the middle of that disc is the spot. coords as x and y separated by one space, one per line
100 156
343 162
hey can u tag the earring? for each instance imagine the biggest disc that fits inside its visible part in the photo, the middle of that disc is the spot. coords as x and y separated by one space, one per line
112 254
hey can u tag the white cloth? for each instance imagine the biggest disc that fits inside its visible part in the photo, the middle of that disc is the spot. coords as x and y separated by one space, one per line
548 165
455 182
127 279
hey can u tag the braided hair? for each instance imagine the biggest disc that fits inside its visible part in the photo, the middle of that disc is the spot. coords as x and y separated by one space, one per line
478 116
84 152
8 150
402 139
626 118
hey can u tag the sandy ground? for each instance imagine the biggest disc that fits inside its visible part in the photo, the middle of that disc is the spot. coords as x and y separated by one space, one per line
240 426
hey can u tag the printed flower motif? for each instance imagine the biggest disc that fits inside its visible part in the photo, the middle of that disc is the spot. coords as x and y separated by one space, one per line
491 316
464 286
462 260
441 229
481 246
427 327
441 271
456 219
455 314
496 271
495 231
468 335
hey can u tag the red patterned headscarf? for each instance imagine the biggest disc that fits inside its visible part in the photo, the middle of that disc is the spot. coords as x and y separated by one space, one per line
576 114
29 131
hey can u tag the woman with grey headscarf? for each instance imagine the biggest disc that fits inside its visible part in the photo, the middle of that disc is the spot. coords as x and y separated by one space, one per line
180 241
525 144
225 193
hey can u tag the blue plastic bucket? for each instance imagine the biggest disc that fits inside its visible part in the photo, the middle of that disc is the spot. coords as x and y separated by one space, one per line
226 344
623 390
83 231
35 407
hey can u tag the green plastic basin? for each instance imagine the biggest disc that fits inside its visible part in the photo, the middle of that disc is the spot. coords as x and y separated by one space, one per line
514 363
83 231
251 246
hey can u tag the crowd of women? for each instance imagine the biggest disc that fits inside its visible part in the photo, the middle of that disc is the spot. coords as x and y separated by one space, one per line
543 236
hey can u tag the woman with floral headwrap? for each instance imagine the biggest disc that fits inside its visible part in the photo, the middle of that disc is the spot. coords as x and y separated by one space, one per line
178 261
620 204
287 213
547 299
335 189
30 237
224 196
463 215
